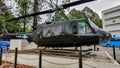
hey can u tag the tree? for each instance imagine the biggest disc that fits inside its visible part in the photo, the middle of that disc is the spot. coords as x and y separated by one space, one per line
35 10
93 16
23 8
52 4
86 12
75 14
6 14
61 15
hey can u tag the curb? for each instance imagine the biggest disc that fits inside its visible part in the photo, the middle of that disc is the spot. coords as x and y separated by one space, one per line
115 62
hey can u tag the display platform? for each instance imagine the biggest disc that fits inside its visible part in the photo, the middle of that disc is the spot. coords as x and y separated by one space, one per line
21 44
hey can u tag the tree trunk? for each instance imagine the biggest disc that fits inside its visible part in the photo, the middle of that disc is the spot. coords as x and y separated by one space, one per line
35 9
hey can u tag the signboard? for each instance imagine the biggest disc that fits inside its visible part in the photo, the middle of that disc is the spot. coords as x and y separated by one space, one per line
4 49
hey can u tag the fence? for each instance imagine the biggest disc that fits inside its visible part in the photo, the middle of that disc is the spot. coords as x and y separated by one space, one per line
16 56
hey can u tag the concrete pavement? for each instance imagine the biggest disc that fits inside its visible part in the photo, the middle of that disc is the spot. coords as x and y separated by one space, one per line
102 60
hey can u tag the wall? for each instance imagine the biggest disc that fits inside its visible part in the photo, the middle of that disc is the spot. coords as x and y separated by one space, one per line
111 20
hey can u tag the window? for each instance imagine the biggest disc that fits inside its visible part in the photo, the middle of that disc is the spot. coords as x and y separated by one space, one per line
83 28
56 30
47 32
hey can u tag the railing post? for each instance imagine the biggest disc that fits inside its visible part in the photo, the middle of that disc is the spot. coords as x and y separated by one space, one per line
15 60
0 55
94 47
114 53
40 59
80 57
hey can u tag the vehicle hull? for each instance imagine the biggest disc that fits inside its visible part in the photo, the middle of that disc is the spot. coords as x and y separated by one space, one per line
68 40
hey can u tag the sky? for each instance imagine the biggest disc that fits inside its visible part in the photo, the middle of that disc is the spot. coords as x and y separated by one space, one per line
99 5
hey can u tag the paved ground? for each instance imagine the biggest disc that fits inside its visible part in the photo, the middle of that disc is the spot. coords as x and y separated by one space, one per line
99 59
110 51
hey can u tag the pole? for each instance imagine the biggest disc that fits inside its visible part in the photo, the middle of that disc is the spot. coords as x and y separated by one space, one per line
0 55
94 47
80 58
114 53
15 60
40 59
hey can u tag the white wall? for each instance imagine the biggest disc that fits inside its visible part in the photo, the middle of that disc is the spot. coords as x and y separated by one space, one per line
111 20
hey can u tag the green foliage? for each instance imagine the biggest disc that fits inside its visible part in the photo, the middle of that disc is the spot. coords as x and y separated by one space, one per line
93 16
28 30
13 27
52 4
6 14
23 8
75 14
63 16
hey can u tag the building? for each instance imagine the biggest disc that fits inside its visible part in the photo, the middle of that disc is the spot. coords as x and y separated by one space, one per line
111 20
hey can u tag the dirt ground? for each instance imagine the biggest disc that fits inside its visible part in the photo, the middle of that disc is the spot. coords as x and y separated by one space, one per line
11 65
